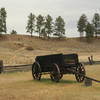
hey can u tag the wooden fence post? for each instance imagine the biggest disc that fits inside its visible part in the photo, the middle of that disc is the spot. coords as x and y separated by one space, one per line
1 66
90 60
88 82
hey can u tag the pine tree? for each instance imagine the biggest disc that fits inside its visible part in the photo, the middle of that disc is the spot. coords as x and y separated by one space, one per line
89 31
48 25
31 24
40 28
43 33
95 21
59 27
3 16
82 24
1 25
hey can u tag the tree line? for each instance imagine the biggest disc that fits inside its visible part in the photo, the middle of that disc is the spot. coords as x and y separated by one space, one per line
90 28
3 16
45 27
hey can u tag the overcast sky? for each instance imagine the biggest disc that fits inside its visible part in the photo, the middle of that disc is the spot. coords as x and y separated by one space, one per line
70 10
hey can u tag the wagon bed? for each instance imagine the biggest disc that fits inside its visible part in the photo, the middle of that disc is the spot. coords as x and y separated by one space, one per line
47 61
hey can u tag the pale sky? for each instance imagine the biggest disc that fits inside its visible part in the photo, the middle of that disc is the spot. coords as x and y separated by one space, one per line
70 10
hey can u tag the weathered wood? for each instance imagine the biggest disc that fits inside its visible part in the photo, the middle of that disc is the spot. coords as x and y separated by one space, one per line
92 59
11 68
89 58
19 65
94 63
88 82
18 70
1 66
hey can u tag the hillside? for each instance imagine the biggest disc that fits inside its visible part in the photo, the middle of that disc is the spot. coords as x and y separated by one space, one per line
15 49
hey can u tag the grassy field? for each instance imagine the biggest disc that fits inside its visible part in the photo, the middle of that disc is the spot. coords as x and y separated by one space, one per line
13 48
21 86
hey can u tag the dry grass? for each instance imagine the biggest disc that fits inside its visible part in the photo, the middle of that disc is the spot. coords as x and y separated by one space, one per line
13 48
21 86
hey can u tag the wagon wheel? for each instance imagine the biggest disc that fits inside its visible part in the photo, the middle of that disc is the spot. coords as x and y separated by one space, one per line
61 75
36 71
55 74
80 73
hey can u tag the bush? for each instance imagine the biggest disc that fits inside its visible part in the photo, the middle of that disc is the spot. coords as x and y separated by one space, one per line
13 32
29 48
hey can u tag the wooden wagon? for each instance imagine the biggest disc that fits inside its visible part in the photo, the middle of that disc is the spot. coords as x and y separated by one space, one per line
57 65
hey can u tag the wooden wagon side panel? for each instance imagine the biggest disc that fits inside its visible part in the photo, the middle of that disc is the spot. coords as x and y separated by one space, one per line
47 61
70 60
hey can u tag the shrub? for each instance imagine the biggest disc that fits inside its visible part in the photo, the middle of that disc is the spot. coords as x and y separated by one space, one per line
13 32
29 48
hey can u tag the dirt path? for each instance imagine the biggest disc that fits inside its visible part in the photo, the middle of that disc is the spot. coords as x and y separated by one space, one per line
14 55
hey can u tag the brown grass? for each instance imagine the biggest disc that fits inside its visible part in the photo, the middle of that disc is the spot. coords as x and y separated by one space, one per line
13 48
29 48
21 86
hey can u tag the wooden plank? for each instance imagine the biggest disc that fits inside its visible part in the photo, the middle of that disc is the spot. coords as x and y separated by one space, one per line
19 65
11 68
1 66
16 70
94 63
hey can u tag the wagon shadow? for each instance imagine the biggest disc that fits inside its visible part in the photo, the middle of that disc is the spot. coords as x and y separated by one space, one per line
48 81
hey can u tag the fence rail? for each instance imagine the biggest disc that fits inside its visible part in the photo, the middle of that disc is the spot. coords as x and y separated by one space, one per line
27 67
15 68
91 63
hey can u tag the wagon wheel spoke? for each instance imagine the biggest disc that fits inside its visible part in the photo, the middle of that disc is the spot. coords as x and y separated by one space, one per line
55 74
80 72
36 71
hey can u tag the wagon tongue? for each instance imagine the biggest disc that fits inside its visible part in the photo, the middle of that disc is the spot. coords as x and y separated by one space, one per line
92 79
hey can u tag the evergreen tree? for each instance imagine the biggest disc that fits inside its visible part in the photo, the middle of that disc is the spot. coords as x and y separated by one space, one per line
95 20
59 27
82 24
1 25
31 24
40 25
43 33
13 32
48 25
3 16
89 31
